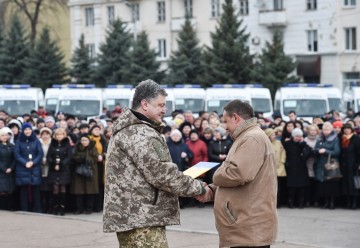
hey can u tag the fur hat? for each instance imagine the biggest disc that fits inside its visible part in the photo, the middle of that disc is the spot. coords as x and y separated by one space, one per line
175 132
297 132
221 130
269 131
49 119
45 129
14 122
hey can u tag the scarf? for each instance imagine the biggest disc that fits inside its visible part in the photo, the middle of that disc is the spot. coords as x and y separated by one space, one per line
345 141
98 144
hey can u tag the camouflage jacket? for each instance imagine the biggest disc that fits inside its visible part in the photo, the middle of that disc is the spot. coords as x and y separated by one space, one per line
142 184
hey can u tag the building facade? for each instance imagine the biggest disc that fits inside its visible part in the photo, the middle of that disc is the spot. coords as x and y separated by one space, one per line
320 35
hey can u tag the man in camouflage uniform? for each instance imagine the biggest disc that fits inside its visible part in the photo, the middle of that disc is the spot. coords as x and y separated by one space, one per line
142 184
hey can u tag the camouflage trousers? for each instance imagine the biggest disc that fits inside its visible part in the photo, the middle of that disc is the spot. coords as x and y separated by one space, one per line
147 237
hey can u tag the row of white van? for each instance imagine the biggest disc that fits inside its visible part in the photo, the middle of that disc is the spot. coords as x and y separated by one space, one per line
307 100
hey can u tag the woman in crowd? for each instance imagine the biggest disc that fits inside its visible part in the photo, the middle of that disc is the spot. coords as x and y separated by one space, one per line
207 135
28 156
280 165
101 147
58 157
45 186
311 138
197 125
297 152
15 127
185 129
327 145
350 161
7 165
286 133
218 149
84 188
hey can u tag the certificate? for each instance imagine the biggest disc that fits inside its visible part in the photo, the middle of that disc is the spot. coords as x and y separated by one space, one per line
200 168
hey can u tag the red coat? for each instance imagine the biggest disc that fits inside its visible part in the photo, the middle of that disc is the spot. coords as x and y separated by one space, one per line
200 151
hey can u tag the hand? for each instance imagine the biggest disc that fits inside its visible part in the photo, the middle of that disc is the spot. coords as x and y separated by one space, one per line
29 165
183 155
322 150
8 171
57 167
222 156
208 196
100 158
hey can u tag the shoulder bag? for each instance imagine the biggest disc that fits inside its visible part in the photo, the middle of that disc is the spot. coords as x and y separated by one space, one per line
332 169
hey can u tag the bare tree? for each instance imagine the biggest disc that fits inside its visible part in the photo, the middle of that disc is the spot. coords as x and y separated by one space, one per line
32 9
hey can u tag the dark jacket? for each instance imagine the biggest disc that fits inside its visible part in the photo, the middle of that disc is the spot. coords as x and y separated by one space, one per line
331 144
176 148
7 160
25 146
296 155
79 184
62 151
350 161
217 147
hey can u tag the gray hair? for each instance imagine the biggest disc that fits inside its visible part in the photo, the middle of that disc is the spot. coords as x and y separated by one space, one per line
147 90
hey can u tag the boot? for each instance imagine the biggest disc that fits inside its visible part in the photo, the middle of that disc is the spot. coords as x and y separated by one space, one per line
62 204
354 202
332 203
56 205
291 203
301 202
326 204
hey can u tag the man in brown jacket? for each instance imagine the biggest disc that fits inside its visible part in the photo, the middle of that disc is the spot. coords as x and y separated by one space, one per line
245 185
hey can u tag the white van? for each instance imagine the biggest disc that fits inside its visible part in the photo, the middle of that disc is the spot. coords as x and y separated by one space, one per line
189 97
114 94
82 101
255 94
20 99
306 100
51 98
352 98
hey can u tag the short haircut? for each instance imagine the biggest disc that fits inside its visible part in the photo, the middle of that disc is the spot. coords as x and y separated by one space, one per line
147 90
292 112
242 109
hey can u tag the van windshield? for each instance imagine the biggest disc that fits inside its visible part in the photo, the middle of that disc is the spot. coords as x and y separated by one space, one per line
169 108
335 104
110 103
216 105
17 107
80 107
50 105
305 107
261 104
195 105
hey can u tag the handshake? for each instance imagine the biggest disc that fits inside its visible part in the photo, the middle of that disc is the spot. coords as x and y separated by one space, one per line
208 196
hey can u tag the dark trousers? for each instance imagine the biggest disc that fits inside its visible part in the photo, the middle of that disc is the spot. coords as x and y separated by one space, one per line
89 202
30 194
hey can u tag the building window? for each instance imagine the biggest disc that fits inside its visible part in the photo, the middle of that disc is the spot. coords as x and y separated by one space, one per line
244 7
349 3
111 14
350 39
215 8
311 5
188 8
161 11
278 5
91 50
89 16
162 48
135 12
312 40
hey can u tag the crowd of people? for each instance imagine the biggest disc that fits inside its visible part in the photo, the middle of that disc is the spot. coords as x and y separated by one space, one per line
40 153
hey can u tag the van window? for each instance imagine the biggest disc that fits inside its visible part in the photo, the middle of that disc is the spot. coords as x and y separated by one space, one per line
110 103
261 104
216 105
80 107
335 104
17 107
305 107
195 105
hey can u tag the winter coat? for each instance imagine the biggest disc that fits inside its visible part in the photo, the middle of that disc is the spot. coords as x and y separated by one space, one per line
7 160
331 144
81 185
175 149
310 163
142 184
200 151
350 161
280 155
296 155
217 147
24 146
245 188
62 151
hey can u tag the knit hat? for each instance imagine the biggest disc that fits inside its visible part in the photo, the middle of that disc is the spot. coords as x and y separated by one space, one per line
337 124
93 127
45 129
49 119
26 125
175 132
297 132
221 130
269 131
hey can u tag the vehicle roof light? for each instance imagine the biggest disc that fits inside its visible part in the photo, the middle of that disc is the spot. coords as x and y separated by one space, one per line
187 86
15 86
119 86
309 85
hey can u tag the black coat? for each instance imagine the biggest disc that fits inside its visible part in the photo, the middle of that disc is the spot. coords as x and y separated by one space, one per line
296 155
217 147
61 150
350 161
7 160
176 148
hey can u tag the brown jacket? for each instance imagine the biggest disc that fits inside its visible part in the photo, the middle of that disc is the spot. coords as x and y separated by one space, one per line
245 191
